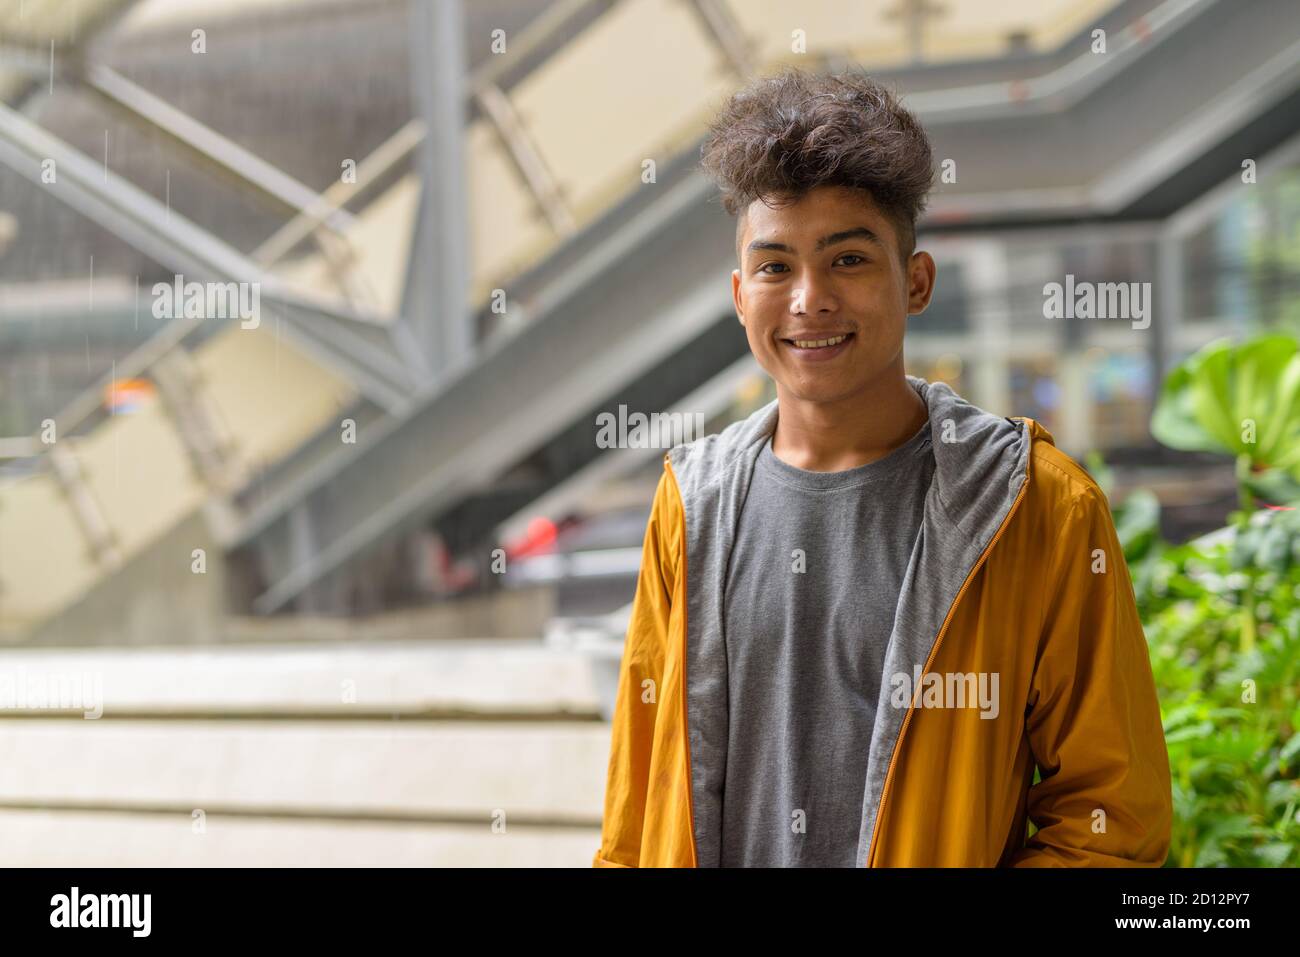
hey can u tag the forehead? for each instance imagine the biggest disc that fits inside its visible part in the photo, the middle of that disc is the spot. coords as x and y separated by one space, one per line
818 213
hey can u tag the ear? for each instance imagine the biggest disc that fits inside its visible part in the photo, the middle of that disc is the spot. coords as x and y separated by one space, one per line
736 298
920 282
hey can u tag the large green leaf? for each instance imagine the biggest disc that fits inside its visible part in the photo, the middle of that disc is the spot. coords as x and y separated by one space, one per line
1206 401
1174 422
1213 399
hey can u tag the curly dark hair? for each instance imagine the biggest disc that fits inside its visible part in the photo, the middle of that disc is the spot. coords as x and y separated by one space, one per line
784 135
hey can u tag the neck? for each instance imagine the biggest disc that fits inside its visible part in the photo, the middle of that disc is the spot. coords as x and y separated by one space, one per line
851 431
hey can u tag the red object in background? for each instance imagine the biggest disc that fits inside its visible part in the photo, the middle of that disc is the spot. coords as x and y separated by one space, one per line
537 540
127 395
447 577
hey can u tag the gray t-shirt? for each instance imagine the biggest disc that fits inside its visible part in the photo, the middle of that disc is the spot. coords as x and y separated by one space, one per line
805 649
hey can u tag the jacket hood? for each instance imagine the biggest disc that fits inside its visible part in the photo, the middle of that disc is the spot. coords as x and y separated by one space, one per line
980 458
981 467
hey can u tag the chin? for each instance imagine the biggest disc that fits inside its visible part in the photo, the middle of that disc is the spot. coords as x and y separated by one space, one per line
818 392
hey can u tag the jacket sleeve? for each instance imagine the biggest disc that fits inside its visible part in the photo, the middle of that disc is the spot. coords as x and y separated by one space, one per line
639 686
1093 721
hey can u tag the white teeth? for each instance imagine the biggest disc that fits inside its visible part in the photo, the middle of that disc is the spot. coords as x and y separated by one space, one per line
819 343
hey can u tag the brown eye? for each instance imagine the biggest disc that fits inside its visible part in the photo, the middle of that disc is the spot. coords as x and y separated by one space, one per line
763 268
860 259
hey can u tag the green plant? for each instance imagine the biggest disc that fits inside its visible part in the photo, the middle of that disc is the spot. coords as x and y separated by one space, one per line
1231 716
1241 400
1222 612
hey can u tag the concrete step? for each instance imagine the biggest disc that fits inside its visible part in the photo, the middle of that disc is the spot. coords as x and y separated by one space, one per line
484 677
546 773
374 753
34 838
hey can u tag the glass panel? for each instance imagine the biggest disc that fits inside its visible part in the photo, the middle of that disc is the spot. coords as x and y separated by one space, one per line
1120 395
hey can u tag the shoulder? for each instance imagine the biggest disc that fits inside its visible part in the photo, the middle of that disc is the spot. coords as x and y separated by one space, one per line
1062 484
668 497
697 463
666 524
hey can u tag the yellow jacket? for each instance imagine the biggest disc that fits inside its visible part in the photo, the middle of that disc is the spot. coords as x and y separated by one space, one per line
1017 571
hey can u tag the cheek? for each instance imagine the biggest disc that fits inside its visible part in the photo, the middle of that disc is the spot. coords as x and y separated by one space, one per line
887 306
764 310
759 298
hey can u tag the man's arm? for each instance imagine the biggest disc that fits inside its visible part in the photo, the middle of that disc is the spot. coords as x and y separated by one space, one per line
1094 720
639 683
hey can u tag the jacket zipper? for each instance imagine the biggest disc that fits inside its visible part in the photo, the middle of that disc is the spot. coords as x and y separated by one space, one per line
943 629
686 728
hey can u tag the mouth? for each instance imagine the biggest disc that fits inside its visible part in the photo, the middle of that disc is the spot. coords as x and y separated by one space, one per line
824 348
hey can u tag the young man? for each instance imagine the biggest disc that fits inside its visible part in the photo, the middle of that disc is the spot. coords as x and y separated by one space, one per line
866 613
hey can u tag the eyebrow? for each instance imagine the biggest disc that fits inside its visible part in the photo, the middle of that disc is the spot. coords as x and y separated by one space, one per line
857 232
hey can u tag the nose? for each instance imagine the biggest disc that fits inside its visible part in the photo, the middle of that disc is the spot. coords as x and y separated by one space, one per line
813 294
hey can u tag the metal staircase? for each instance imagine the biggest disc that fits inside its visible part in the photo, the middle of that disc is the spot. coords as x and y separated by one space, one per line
614 287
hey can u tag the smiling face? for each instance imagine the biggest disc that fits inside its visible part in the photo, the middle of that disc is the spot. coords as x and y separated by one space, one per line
824 267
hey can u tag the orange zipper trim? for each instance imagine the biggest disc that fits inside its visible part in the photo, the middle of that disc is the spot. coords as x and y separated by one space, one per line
686 728
943 629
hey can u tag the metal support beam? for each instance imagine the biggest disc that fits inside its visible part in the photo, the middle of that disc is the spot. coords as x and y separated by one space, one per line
104 547
356 346
559 18
157 348
385 157
210 446
141 105
25 59
18 447
154 113
496 106
436 300
913 15
726 35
